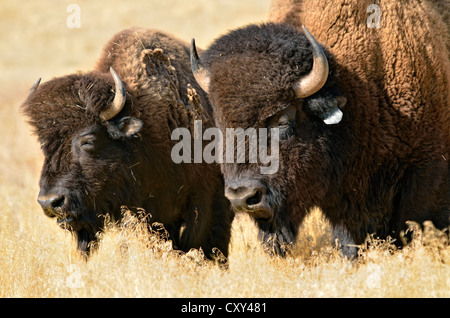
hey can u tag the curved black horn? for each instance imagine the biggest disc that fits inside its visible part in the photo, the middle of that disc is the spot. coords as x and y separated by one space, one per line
316 78
201 74
119 98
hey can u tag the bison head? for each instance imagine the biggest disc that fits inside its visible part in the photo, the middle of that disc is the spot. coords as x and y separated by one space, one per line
89 134
273 76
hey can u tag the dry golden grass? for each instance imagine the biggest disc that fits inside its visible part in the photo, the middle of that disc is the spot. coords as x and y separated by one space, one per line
38 259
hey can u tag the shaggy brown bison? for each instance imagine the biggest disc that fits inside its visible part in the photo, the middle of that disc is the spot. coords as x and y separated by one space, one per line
106 133
370 159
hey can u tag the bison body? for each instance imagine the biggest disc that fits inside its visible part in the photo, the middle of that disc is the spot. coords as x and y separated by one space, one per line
369 159
99 157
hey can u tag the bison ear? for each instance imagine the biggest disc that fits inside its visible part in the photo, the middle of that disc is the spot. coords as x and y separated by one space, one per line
124 127
334 116
326 107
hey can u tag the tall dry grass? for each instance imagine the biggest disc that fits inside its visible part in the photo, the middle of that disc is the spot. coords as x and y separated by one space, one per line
38 259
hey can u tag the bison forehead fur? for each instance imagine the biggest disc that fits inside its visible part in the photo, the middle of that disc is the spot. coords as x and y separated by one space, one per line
380 166
93 165
255 76
63 106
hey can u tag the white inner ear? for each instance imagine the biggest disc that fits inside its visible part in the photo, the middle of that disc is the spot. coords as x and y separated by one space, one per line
333 117
130 126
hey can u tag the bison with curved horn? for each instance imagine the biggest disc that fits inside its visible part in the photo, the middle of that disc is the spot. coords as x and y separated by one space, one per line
370 162
106 133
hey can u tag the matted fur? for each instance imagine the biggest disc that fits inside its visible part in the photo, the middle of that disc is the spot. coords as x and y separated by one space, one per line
129 163
388 160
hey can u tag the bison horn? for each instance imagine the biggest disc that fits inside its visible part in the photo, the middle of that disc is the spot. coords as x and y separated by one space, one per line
201 74
119 98
35 86
314 81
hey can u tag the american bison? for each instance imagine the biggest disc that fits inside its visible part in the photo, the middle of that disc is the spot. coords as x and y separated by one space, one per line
106 133
365 137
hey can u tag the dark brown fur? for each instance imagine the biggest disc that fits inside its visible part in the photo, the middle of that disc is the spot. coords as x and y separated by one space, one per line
128 165
386 162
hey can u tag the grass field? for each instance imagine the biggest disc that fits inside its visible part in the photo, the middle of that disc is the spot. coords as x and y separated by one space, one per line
38 259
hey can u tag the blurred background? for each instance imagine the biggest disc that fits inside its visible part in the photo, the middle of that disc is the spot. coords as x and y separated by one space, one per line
42 38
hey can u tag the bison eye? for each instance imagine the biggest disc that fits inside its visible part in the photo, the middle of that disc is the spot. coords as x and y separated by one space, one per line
283 121
87 142
284 118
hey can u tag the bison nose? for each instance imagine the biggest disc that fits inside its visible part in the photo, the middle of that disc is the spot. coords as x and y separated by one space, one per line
51 203
245 198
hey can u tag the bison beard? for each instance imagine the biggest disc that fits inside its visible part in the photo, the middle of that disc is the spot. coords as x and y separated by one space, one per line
339 147
105 136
